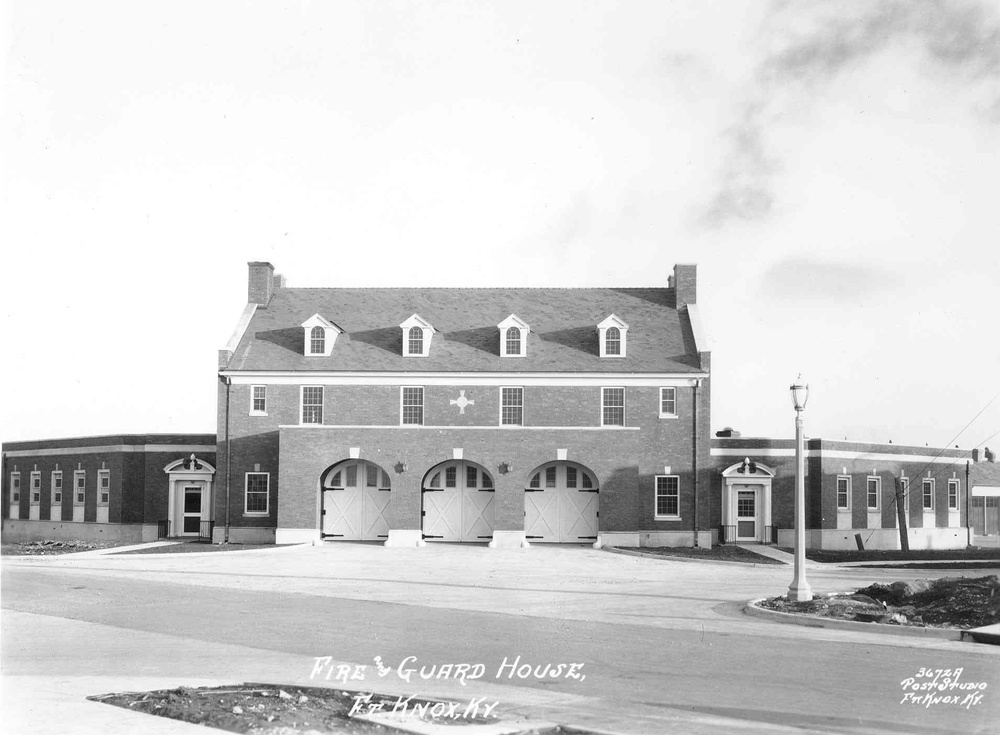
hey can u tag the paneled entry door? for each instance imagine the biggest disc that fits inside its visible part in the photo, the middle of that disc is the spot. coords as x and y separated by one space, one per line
191 512
458 503
747 515
355 500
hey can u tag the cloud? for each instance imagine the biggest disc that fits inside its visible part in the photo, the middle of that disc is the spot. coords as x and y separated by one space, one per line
811 43
807 280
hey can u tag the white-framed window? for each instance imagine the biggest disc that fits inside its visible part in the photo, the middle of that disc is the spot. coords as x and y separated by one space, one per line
511 406
415 341
612 334
612 406
79 487
317 340
513 340
319 335
312 404
843 492
928 493
417 334
513 337
258 400
668 403
15 487
668 497
874 492
953 488
613 341
257 486
103 487
56 484
36 488
411 409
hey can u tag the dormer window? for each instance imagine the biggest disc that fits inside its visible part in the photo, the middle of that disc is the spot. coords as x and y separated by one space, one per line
612 332
417 334
320 334
513 337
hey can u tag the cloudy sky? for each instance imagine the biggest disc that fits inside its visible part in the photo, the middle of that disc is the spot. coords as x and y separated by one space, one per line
832 168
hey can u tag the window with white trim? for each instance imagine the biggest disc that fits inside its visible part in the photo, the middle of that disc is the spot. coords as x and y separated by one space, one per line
668 402
874 492
257 493
412 406
79 487
415 341
312 404
513 341
317 340
612 334
103 487
512 406
36 488
613 341
953 488
612 406
258 400
15 487
843 492
56 483
928 493
668 497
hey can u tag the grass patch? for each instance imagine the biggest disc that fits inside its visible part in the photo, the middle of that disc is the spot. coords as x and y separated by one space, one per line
54 548
726 552
828 556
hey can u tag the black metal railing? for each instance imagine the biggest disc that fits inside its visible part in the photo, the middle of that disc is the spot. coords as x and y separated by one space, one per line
205 531
727 534
162 529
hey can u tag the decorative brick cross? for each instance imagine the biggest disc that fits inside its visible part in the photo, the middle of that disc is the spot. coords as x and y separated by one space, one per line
462 402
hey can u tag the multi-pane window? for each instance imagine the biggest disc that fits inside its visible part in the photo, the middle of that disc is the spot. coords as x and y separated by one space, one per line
415 341
667 496
570 476
952 494
103 487
413 405
513 341
312 404
874 492
613 406
258 400
511 406
79 487
56 487
257 492
317 341
843 493
613 341
36 488
471 476
550 477
450 477
928 487
15 487
668 401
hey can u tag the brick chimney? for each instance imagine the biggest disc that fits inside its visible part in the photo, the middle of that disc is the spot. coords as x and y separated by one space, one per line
261 283
685 285
975 456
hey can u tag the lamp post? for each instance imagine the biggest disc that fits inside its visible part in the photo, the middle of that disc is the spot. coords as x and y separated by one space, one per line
799 590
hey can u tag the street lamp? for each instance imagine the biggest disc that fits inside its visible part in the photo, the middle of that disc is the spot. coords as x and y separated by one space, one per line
799 590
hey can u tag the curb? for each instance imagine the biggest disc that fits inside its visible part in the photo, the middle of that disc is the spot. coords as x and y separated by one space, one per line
754 609
686 560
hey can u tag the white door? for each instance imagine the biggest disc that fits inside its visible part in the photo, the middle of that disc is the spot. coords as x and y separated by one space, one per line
458 503
561 505
747 515
355 502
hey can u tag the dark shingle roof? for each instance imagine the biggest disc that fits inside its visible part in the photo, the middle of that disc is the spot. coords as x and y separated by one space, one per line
984 473
563 330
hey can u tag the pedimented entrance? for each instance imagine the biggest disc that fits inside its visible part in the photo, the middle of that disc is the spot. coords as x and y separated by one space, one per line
356 496
458 502
561 504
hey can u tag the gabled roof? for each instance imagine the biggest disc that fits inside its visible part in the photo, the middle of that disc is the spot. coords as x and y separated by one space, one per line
513 321
612 321
416 321
318 320
563 336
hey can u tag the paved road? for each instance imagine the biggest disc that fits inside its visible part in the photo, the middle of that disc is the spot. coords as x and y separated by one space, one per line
663 646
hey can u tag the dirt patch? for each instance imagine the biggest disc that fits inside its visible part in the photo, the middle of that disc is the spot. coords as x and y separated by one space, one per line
51 548
716 553
267 709
951 602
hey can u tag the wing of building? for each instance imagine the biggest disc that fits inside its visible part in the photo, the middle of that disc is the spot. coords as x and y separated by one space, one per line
508 416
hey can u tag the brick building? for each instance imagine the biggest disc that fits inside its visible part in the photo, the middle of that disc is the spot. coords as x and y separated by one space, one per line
505 416
850 489
129 487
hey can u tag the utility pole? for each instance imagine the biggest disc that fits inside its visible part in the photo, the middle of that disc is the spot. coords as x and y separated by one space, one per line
904 540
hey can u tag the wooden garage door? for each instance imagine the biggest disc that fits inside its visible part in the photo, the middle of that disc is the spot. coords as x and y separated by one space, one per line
458 503
355 500
561 504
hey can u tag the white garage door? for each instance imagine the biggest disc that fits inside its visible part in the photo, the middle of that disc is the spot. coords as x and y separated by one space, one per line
355 500
561 505
458 503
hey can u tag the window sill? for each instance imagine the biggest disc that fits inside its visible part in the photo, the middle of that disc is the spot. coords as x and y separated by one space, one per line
843 511
257 413
669 416
256 514
666 518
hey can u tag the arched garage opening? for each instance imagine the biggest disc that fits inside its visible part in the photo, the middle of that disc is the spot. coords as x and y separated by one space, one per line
356 497
561 504
458 502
